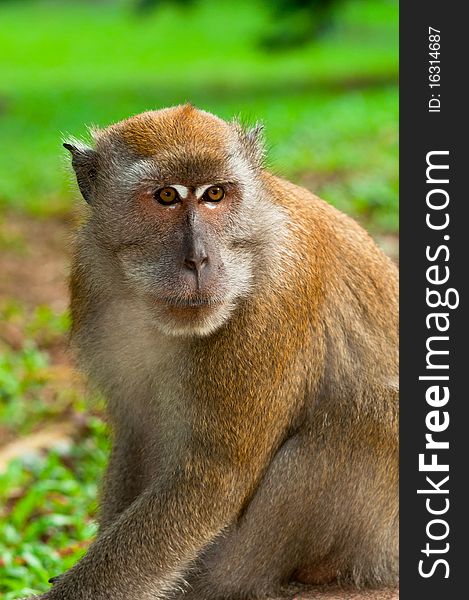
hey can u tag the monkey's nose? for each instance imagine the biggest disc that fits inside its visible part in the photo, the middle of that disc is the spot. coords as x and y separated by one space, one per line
196 263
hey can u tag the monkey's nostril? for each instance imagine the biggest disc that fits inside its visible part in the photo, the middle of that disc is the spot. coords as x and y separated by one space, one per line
196 264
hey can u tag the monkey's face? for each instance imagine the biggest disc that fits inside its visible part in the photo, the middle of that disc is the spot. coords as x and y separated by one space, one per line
178 202
186 258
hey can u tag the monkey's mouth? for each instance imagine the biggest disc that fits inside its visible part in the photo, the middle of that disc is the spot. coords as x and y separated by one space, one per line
193 302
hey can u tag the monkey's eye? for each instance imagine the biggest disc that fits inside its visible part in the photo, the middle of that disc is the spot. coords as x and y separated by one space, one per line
214 194
166 196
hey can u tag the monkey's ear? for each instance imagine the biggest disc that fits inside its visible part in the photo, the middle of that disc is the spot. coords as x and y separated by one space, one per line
254 134
85 165
253 142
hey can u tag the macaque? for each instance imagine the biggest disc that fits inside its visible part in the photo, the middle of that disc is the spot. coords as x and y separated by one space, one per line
245 335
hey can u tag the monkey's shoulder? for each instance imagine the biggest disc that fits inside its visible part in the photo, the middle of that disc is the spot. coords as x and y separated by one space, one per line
321 230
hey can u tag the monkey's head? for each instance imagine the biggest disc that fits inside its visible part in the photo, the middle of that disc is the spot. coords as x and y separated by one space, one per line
179 215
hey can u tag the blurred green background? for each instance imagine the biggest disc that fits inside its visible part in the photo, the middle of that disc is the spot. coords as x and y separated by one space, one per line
325 85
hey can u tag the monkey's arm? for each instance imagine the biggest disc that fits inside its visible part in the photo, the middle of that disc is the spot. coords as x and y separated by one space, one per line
123 480
150 545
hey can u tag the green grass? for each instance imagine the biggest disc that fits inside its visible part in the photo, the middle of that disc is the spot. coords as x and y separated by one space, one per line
32 390
48 501
49 504
330 108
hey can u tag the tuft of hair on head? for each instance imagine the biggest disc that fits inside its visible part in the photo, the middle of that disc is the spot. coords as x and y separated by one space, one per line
85 165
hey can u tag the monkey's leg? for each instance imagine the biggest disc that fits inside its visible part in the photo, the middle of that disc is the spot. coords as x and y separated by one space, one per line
258 553
317 516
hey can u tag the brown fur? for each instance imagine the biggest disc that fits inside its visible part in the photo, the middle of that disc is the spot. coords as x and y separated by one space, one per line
152 132
251 447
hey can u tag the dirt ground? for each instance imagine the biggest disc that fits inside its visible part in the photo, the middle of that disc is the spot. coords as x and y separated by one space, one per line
335 593
34 266
34 261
